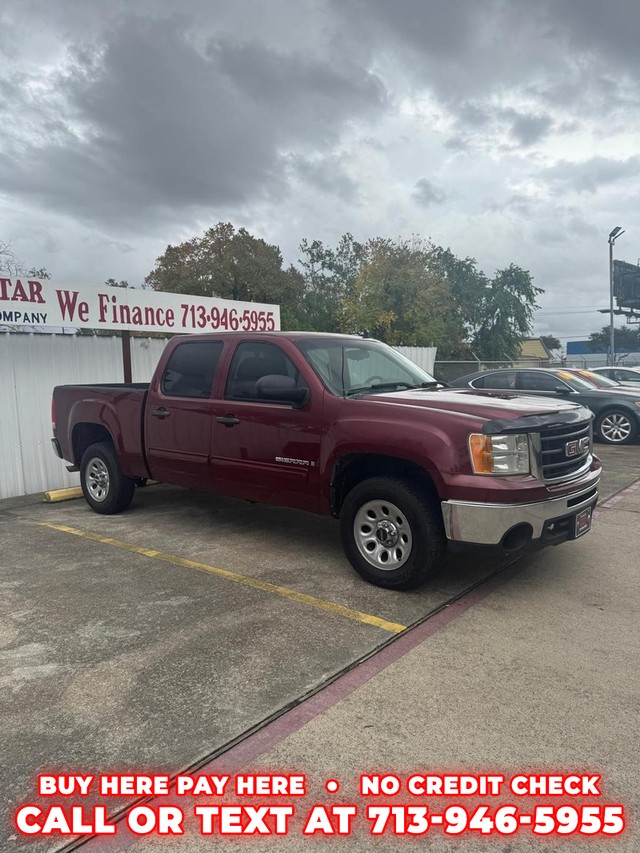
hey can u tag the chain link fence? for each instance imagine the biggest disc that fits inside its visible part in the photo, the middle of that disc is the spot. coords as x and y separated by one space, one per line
586 363
447 371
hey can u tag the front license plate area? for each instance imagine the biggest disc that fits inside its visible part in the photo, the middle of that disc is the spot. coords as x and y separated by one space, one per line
583 522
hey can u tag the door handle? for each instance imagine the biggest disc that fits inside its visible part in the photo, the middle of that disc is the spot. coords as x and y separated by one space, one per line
228 420
160 413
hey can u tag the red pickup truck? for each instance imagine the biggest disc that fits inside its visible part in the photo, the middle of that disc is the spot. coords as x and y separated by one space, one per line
342 426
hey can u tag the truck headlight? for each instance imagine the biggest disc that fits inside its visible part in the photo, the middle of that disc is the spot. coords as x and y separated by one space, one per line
499 454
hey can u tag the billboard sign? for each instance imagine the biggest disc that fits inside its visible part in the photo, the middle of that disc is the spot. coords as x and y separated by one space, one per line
43 304
626 284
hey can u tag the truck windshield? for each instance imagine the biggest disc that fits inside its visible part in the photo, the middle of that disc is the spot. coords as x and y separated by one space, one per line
360 367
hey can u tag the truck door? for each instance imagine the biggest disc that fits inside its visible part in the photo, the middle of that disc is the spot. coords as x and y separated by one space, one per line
178 416
265 449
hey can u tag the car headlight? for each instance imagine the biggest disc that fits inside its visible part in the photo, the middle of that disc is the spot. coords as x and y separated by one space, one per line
499 454
637 403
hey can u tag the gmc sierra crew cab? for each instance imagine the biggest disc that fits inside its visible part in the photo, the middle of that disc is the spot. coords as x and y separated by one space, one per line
342 426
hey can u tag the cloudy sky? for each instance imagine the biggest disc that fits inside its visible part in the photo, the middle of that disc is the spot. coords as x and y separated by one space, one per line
508 130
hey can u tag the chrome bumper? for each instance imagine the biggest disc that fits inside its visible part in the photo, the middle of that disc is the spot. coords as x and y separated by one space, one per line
487 524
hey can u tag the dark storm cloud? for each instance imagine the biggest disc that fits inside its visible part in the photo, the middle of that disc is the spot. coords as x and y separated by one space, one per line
141 128
592 174
611 29
430 26
456 143
528 129
324 174
427 193
576 55
479 118
158 122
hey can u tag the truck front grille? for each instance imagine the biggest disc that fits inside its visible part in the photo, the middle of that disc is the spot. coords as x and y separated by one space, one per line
565 451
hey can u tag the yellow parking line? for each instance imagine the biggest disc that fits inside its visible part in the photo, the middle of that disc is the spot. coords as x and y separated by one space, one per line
245 580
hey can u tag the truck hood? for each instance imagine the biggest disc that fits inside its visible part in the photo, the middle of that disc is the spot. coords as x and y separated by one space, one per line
483 405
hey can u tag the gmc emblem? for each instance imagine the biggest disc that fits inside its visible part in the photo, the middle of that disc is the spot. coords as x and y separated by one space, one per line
577 447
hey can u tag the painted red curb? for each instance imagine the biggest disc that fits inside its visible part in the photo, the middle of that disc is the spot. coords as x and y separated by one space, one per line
620 496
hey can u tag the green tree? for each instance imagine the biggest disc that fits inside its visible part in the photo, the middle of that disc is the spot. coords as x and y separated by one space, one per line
504 314
230 264
550 342
626 340
469 287
401 296
329 278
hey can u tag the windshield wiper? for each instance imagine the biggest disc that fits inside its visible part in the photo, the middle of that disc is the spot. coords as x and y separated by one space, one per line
390 386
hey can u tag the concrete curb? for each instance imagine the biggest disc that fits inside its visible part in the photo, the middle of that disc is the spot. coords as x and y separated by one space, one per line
74 492
56 495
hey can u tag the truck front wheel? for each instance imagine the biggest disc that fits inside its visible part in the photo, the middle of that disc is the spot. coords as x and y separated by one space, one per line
104 486
392 532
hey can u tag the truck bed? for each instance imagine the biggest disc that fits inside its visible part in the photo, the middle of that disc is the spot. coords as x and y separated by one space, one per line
130 386
116 409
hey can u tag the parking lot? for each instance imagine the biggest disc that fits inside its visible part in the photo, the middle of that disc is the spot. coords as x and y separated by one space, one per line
159 637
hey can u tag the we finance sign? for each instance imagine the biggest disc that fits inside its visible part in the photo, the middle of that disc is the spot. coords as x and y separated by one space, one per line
31 302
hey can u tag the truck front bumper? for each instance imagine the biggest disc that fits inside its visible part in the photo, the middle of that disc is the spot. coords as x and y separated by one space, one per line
514 525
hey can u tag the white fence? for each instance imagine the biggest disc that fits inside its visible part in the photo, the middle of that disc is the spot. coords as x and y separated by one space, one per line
424 357
31 365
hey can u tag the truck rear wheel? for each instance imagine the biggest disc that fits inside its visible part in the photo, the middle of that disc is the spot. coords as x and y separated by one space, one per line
392 532
105 487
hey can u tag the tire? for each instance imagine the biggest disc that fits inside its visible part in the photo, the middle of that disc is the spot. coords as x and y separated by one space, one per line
616 426
104 486
383 515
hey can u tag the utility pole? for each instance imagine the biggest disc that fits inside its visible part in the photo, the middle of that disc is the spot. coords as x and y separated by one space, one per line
617 232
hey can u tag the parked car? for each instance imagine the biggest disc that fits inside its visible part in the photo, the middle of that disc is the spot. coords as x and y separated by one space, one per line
616 409
627 375
600 381
341 426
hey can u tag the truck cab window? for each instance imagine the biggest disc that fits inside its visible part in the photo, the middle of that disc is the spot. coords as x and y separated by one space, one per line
190 369
252 362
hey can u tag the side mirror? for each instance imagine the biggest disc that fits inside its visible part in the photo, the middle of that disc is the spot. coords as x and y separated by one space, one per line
562 389
281 389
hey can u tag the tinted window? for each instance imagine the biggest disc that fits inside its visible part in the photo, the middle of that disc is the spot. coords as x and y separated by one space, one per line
627 376
252 361
541 381
190 369
498 381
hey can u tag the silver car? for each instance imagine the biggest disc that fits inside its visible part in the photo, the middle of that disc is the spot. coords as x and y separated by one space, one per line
626 375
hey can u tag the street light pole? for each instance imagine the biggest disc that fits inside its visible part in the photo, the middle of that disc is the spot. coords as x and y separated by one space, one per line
617 231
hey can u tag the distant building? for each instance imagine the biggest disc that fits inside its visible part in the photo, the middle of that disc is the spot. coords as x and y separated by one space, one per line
580 354
536 351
